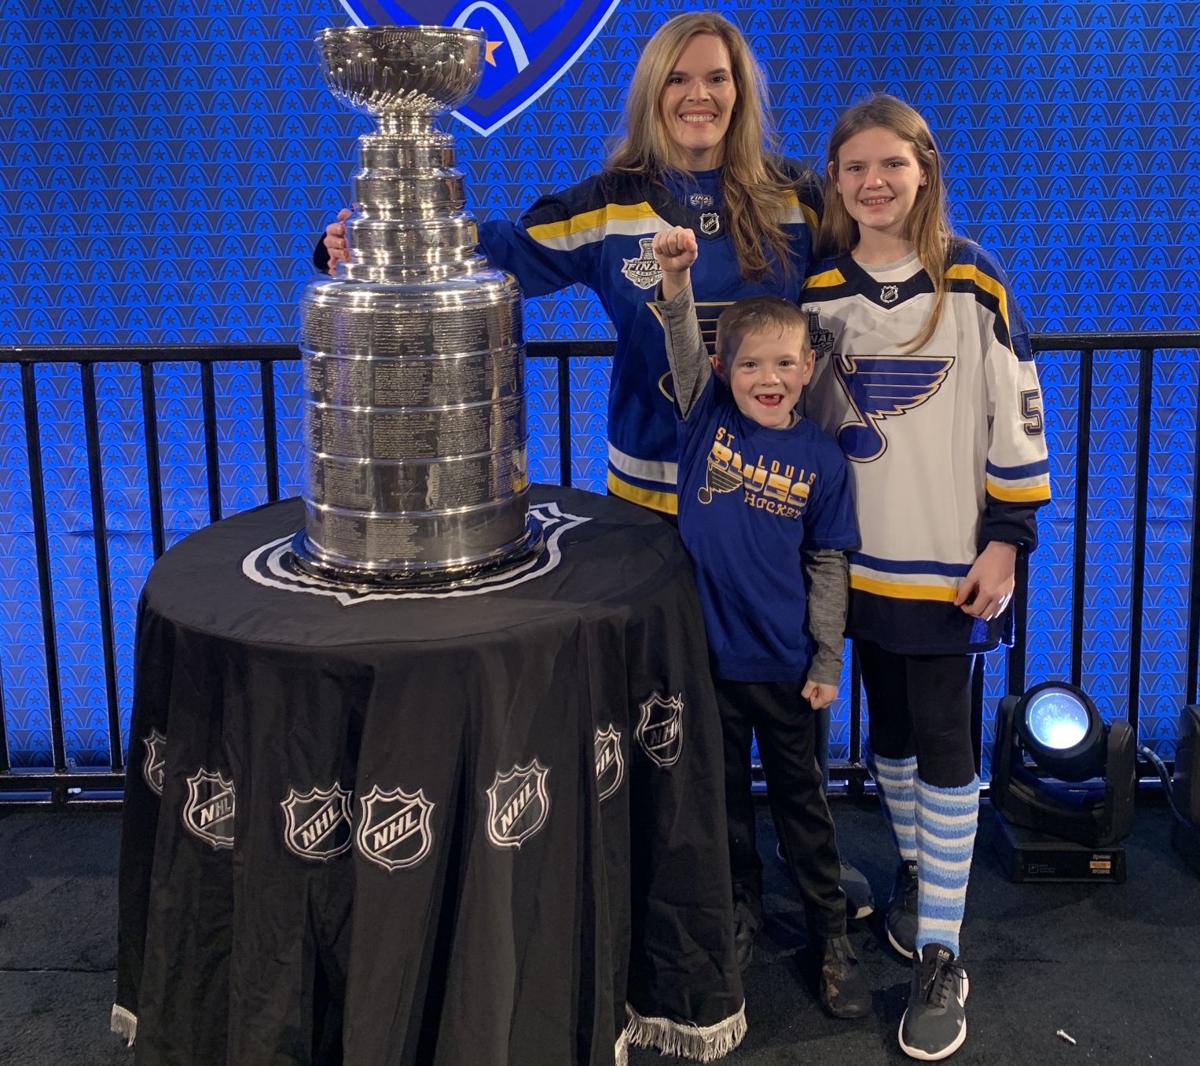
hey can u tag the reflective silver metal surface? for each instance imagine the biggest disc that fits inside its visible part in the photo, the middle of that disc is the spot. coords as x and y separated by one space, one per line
415 433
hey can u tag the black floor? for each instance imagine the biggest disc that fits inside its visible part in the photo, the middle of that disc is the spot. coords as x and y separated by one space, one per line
1115 966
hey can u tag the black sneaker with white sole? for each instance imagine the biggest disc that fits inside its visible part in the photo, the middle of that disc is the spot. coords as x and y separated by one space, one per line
901 921
860 900
935 1024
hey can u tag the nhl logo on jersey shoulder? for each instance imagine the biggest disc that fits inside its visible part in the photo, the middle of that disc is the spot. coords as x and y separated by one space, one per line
395 829
154 765
660 730
710 223
518 805
317 822
644 270
610 764
889 294
208 813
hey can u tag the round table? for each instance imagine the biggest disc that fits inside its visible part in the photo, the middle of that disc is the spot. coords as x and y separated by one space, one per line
425 829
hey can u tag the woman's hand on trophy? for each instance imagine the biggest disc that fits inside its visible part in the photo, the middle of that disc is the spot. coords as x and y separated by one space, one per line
335 240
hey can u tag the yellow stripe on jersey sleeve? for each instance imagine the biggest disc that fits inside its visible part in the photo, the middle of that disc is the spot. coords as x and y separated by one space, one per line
967 272
810 216
589 220
1029 494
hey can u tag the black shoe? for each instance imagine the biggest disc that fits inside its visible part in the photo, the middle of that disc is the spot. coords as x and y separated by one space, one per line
745 932
860 901
844 991
901 922
935 1024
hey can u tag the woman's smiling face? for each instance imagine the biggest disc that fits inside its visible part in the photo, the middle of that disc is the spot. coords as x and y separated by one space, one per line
697 103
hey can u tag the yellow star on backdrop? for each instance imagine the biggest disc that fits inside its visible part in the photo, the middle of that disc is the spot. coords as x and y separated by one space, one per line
490 57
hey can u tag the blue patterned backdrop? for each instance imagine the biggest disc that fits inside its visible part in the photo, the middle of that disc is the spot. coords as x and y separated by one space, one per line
166 167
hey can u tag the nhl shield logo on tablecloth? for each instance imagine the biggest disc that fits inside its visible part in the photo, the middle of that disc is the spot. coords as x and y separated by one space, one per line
208 813
317 822
660 731
530 44
155 763
518 805
610 765
395 829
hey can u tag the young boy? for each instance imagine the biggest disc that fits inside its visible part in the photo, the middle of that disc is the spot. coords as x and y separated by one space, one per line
764 511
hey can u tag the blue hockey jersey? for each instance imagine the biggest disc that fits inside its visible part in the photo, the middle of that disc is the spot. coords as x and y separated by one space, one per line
598 234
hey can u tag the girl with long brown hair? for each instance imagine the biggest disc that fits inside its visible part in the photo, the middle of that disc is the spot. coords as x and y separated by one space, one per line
926 378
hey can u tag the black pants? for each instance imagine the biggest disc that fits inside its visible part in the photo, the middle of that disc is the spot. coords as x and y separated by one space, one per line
786 728
921 705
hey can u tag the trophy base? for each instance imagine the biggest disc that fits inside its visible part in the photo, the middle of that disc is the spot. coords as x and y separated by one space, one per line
425 578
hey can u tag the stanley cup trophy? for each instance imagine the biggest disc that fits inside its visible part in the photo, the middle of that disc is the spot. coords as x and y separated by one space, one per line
416 466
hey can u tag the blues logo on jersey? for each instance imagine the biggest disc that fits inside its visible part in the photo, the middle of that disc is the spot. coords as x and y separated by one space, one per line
531 44
879 387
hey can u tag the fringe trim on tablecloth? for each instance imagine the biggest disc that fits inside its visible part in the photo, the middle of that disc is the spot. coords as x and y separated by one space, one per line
621 1050
124 1023
699 1043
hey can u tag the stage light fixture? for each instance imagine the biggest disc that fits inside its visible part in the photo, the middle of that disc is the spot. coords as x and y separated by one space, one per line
1062 731
1062 786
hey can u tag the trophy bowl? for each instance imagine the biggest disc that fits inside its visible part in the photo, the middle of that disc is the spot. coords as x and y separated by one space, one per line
423 70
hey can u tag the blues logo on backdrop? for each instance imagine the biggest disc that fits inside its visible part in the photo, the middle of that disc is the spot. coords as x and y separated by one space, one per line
531 44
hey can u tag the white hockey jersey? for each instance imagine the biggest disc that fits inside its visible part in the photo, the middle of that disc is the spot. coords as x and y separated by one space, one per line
946 443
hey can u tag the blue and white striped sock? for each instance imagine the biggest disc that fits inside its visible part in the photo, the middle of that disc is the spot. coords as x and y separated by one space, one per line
896 781
946 823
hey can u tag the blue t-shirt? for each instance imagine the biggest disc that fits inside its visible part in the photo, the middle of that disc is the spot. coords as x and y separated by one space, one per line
750 498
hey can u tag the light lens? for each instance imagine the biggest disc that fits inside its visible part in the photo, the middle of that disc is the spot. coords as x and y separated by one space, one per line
1056 719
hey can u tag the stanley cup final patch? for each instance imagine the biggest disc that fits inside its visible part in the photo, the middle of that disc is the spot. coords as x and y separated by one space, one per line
317 823
610 764
643 270
395 828
518 805
208 813
155 762
660 730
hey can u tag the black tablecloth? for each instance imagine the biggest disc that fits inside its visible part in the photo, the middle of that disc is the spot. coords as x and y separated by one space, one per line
483 827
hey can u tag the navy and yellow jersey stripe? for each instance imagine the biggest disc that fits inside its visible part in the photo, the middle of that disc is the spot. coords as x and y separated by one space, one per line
598 234
946 443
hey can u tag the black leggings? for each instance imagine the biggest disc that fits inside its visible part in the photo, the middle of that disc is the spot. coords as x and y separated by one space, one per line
921 705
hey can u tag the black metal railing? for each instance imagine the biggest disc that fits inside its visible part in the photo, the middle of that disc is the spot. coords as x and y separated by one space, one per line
60 782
